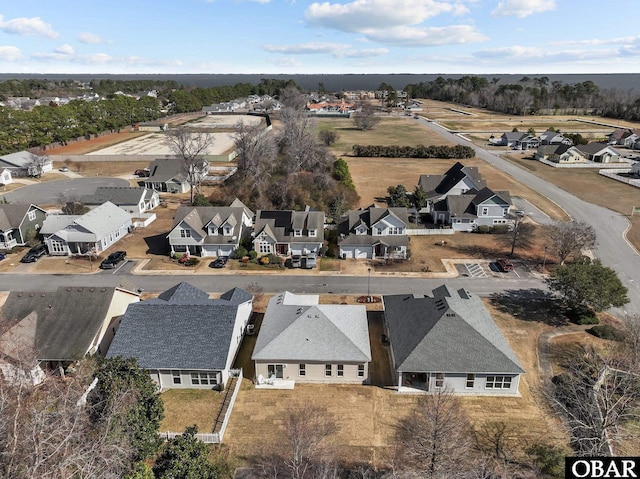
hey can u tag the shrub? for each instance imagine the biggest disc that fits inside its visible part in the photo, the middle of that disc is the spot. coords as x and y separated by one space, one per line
245 259
264 260
191 261
501 229
606 331
274 259
582 315
241 252
253 254
483 229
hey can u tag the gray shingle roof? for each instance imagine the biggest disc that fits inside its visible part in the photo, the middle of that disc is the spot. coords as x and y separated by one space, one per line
312 332
67 320
450 332
118 195
166 169
438 185
199 217
369 217
280 225
181 329
11 215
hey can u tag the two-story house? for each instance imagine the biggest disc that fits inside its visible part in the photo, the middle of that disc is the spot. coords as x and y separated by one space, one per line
374 232
210 230
482 208
18 222
288 232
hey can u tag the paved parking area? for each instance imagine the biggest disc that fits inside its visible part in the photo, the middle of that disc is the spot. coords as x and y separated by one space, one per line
489 269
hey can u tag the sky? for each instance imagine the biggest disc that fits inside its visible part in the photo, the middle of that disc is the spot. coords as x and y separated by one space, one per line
305 37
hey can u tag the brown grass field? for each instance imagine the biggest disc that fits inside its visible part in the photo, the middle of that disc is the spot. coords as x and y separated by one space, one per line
202 410
94 144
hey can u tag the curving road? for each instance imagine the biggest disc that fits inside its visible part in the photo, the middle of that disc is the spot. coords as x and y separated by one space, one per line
612 249
49 192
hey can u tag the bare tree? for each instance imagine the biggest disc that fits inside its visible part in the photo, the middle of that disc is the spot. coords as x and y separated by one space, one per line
35 165
364 118
191 147
435 438
569 238
257 153
306 447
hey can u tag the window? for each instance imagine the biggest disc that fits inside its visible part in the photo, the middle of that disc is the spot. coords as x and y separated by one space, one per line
313 233
340 370
439 380
360 370
302 370
177 379
505 211
361 230
396 230
31 215
380 230
327 370
264 247
185 233
204 378
297 233
498 382
57 246
471 378
485 210
227 230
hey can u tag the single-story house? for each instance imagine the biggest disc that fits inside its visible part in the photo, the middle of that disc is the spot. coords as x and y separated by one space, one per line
18 222
91 233
167 175
599 152
210 230
6 178
467 212
288 232
302 340
374 232
25 163
560 153
516 140
183 338
132 199
49 330
449 340
551 137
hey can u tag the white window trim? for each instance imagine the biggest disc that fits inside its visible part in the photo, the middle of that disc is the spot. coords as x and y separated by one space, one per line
328 370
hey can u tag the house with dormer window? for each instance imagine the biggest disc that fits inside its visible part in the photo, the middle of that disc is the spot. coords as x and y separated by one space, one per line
288 232
476 208
209 231
374 232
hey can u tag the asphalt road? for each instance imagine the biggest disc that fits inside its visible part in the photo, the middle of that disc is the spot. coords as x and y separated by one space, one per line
612 249
49 192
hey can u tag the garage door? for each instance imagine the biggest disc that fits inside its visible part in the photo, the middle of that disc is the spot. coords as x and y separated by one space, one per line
346 253
361 254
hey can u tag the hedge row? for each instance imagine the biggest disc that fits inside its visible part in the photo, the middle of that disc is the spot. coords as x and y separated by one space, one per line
420 151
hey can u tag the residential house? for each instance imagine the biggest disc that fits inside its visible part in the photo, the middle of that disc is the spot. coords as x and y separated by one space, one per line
627 137
25 163
167 175
210 230
516 140
560 153
18 222
331 108
91 233
132 199
449 340
288 232
302 340
50 330
374 232
457 180
599 152
183 338
551 137
475 208
6 178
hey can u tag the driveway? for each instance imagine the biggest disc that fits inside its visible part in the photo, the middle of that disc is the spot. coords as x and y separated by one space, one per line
533 212
48 193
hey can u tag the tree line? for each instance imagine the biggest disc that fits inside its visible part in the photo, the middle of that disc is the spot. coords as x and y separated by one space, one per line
420 151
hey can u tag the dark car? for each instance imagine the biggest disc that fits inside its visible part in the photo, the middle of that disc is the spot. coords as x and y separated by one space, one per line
113 259
143 172
34 254
220 262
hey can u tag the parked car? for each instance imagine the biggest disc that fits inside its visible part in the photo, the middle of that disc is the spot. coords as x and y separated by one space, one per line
143 172
504 265
220 262
296 261
35 253
2 256
63 169
311 261
113 259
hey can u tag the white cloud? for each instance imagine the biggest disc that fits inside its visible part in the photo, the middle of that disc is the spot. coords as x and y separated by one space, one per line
337 50
286 62
27 26
523 8
426 36
376 14
10 53
530 55
90 38
98 58
65 49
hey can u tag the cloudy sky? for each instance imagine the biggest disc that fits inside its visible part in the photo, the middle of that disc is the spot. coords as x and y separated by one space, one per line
336 36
